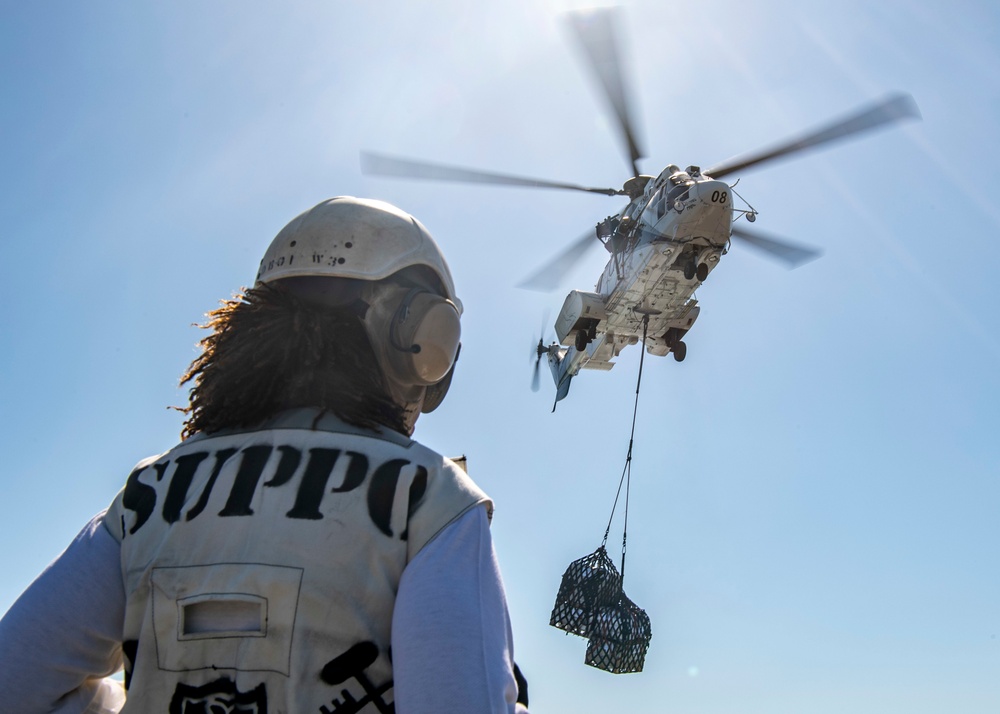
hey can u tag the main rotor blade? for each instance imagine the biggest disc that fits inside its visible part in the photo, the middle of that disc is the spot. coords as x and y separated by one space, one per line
596 32
890 109
382 165
789 253
550 275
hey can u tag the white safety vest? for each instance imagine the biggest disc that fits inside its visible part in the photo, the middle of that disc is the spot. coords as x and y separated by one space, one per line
261 567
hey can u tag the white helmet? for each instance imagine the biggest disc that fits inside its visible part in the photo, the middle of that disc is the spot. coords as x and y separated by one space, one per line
360 238
414 331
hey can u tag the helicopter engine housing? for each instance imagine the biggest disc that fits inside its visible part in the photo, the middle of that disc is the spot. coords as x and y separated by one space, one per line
581 312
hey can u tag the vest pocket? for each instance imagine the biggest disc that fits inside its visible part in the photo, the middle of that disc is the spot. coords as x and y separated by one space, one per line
224 616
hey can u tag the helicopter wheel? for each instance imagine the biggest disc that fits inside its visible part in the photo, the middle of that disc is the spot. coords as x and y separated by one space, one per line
680 351
581 341
702 272
689 271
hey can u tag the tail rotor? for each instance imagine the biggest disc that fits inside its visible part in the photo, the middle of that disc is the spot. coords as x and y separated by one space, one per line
539 350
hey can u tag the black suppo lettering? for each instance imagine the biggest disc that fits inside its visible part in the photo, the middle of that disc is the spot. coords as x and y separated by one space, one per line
382 493
220 458
417 489
720 196
138 498
179 484
313 484
290 459
357 469
244 485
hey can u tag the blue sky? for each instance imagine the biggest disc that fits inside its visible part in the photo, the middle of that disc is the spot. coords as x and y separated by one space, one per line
814 490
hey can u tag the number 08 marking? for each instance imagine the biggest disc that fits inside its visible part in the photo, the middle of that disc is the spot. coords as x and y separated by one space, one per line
720 196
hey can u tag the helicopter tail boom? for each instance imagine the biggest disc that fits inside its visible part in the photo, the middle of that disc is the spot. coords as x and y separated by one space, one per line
560 360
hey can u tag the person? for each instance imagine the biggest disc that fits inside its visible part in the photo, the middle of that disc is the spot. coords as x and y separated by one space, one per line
297 551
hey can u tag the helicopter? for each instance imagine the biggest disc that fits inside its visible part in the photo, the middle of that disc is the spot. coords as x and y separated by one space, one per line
664 243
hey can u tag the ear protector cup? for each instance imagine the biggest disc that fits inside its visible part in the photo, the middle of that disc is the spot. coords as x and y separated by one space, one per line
435 393
420 339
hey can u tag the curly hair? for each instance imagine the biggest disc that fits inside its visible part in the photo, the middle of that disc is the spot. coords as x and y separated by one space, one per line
272 350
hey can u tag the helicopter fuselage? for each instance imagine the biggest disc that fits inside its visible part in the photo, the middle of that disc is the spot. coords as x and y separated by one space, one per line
663 246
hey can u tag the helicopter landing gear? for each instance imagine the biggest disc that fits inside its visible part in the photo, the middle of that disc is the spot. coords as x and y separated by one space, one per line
672 337
582 339
680 351
689 270
702 272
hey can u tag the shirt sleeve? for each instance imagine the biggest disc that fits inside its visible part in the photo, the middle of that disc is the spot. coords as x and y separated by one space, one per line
62 638
452 646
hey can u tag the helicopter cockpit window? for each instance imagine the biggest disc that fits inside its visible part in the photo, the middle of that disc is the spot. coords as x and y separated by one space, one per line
675 194
660 201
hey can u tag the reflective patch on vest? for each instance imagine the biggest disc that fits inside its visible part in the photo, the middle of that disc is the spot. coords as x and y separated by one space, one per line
218 697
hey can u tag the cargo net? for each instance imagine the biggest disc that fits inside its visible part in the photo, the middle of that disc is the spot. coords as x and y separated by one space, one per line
590 583
619 637
591 603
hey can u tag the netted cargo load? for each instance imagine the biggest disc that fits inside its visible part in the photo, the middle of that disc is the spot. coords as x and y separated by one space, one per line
591 601
590 583
619 636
